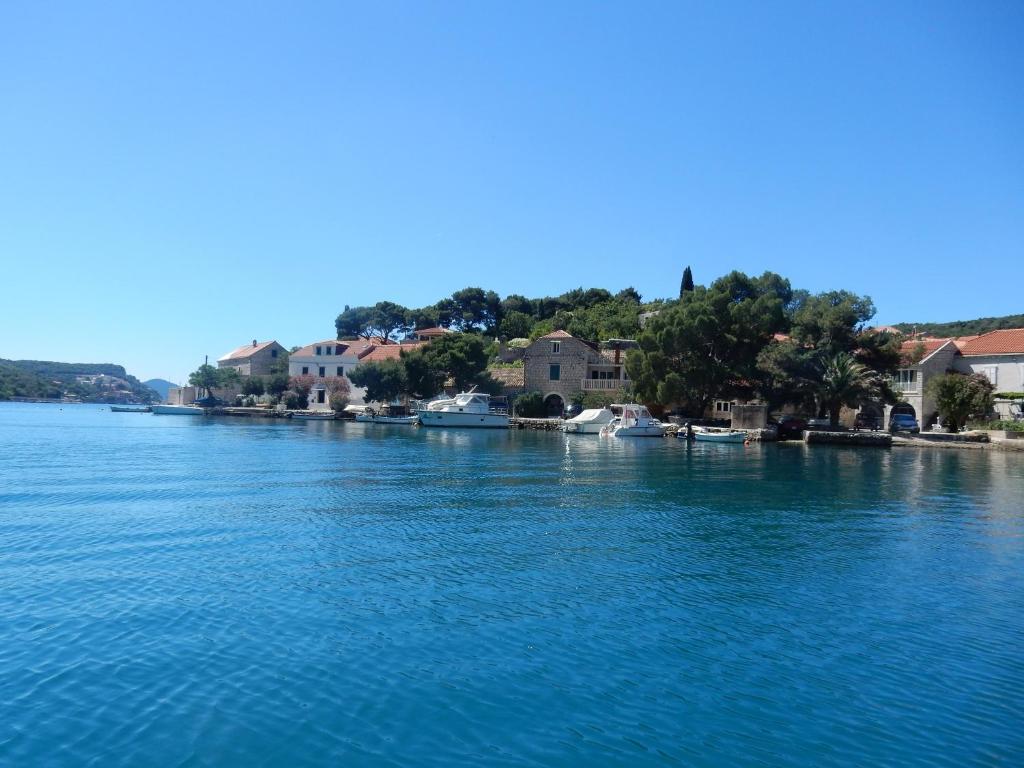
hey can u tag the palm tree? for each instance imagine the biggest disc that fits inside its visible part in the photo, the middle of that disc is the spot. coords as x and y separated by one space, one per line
844 381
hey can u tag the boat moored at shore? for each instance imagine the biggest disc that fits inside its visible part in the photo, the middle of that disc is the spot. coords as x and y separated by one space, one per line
178 410
712 435
635 421
467 409
589 422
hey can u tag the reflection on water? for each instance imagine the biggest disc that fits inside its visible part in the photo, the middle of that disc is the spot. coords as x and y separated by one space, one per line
320 593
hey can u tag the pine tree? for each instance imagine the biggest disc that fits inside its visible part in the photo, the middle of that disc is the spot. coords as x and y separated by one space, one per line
687 284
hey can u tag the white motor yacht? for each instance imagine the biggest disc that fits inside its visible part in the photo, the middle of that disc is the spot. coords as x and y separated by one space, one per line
467 409
635 421
589 422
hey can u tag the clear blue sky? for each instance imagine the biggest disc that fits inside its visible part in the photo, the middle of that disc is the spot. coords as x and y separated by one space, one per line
177 179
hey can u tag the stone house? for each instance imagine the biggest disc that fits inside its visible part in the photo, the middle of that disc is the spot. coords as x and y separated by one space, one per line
560 366
256 359
934 358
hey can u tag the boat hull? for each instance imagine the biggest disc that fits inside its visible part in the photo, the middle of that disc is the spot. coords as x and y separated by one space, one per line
406 420
583 429
119 409
639 432
720 437
178 410
463 420
314 416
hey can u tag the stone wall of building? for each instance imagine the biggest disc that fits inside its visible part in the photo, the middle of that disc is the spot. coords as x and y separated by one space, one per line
924 405
572 358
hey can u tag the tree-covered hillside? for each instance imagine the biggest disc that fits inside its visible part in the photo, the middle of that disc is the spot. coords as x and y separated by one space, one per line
88 382
963 327
15 382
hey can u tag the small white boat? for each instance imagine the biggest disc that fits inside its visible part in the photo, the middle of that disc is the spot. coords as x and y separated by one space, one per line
178 410
635 421
467 409
712 435
130 409
589 422
321 416
379 418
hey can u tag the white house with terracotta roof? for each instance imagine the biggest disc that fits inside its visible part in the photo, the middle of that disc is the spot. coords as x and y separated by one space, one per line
997 355
428 334
328 359
256 359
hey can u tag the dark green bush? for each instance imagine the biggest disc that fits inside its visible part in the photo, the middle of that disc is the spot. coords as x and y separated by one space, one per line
530 405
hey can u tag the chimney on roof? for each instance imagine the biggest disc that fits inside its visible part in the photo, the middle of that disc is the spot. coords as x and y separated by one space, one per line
254 342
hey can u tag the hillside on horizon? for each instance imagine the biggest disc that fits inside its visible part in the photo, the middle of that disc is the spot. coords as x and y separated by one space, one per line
87 382
160 386
963 327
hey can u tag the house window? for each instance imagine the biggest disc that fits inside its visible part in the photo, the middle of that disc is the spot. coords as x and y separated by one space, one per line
906 380
555 372
341 370
318 350
556 347
273 353
723 406
329 349
305 370
322 372
991 373
320 395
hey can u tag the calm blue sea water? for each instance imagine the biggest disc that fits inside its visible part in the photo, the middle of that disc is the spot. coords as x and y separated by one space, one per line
175 591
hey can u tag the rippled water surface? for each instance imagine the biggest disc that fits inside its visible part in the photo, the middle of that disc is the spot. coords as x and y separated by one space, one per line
180 591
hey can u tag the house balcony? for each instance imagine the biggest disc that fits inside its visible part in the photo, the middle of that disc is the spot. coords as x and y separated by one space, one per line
603 385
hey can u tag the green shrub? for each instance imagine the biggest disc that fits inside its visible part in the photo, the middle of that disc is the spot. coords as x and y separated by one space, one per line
1009 426
1009 395
296 401
530 405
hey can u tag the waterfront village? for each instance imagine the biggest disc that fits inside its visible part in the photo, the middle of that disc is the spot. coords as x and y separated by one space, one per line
745 355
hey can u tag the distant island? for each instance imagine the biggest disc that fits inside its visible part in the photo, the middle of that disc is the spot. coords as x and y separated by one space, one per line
160 386
74 382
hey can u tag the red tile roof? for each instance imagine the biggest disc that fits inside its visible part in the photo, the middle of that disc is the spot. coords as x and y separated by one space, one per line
310 349
557 335
390 351
1005 342
247 351
357 347
928 347
510 378
431 332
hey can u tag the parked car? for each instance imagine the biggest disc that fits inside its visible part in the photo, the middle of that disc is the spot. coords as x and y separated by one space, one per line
903 422
867 421
789 427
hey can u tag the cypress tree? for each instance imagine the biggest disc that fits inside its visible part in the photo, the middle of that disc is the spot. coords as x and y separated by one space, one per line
687 284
